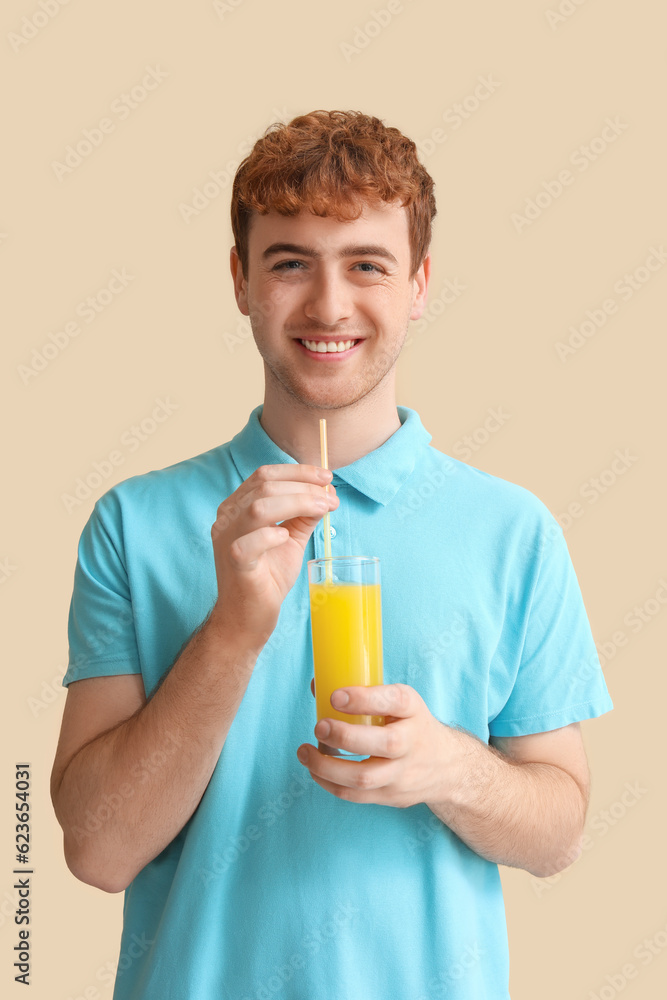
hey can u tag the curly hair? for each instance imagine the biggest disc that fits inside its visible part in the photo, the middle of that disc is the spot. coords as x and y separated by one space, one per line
330 162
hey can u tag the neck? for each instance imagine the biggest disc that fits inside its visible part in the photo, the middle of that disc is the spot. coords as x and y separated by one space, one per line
352 430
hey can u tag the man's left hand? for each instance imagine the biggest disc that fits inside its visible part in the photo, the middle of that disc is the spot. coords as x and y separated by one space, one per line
411 758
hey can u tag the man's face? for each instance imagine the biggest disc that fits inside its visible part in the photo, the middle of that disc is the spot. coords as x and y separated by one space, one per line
328 283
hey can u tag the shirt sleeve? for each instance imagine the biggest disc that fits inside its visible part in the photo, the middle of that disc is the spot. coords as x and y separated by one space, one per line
559 679
101 632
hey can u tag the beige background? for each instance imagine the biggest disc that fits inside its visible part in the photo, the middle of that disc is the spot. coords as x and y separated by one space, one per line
171 332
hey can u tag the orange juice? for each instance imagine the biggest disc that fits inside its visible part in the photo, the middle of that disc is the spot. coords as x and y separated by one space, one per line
346 623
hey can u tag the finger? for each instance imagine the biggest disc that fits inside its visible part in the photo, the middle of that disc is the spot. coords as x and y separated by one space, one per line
284 487
250 496
246 550
301 527
362 776
373 741
347 794
265 511
294 471
312 687
397 700
285 507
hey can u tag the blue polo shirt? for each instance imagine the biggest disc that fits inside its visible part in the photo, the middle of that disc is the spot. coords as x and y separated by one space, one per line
275 888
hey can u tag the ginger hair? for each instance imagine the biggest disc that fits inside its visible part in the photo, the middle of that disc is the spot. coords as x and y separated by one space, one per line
331 162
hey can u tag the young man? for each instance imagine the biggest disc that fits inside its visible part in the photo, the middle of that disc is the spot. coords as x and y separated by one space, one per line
250 873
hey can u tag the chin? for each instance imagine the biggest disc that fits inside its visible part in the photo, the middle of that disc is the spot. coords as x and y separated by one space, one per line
325 400
321 393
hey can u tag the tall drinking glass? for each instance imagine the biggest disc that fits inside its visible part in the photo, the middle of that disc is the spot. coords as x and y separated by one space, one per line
346 626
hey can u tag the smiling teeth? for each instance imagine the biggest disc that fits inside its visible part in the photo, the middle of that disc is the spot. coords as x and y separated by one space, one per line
332 347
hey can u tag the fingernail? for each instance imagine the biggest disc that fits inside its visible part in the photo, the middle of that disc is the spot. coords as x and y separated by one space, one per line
302 755
342 698
322 729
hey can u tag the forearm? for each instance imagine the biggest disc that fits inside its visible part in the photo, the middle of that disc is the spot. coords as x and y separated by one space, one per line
524 815
124 796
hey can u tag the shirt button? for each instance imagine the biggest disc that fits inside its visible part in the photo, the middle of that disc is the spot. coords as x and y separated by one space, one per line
332 531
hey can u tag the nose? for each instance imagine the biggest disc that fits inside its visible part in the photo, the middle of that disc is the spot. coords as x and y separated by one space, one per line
328 301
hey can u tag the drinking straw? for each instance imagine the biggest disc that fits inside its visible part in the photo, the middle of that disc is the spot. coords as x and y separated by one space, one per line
327 533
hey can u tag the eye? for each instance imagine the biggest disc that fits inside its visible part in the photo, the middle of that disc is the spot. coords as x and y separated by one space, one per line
285 265
373 267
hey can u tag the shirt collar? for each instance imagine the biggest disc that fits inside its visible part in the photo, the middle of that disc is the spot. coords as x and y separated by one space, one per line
379 475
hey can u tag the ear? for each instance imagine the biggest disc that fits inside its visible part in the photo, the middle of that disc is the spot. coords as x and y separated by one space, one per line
240 283
420 285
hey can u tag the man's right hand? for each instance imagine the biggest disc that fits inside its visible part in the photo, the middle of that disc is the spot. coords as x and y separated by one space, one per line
258 562
109 724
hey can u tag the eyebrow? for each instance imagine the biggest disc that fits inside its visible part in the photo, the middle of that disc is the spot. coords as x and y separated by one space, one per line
358 250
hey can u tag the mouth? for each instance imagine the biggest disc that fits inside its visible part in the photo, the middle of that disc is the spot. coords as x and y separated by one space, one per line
328 350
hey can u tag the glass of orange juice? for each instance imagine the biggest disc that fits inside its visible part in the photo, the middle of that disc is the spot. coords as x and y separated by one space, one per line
346 627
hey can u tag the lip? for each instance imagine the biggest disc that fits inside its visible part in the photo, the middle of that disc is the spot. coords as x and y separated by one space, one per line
329 355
